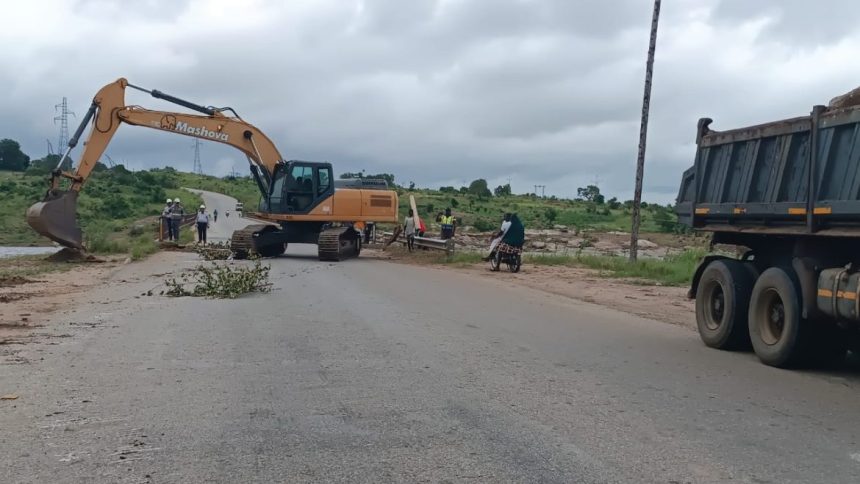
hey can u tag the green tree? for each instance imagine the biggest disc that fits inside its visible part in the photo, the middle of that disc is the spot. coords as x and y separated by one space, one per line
551 214
388 177
479 188
45 165
11 156
591 193
454 203
503 190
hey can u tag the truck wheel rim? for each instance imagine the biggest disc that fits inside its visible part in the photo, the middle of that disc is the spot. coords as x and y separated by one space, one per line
716 307
773 322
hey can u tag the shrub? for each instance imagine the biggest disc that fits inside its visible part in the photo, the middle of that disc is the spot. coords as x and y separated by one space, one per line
484 224
220 281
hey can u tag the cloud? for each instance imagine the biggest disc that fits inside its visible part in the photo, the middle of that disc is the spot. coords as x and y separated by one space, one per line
436 91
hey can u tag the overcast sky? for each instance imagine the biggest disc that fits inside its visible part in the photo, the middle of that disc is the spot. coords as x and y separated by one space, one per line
439 92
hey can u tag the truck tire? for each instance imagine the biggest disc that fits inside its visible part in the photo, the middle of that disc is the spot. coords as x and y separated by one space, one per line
776 327
722 304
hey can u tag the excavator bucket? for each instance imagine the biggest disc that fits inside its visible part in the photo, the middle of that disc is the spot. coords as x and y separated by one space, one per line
55 217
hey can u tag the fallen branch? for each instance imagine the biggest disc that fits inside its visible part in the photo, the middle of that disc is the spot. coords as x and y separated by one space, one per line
219 281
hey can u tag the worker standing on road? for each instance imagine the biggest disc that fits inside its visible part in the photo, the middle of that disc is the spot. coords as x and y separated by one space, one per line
409 230
166 219
202 225
176 213
215 215
447 222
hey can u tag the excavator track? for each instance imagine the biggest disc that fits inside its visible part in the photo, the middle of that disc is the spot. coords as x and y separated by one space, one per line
242 241
338 243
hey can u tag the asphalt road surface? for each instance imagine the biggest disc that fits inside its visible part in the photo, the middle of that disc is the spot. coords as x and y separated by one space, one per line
369 371
221 230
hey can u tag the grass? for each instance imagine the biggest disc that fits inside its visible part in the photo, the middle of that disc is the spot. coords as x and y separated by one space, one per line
243 189
29 266
460 258
674 270
485 213
117 209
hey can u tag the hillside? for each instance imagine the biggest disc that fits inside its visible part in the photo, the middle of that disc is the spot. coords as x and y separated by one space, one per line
484 212
116 200
116 209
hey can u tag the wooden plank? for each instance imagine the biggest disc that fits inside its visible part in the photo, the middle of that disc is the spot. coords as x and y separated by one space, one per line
414 211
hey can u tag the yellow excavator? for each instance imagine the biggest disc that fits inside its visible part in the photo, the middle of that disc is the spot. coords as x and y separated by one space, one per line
299 202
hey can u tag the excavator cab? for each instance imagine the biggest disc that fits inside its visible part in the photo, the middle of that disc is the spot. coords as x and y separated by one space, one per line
300 186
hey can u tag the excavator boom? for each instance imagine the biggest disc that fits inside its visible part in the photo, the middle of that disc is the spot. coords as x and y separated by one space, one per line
55 216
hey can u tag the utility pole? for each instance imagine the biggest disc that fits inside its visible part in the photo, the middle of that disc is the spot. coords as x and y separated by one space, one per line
198 168
643 134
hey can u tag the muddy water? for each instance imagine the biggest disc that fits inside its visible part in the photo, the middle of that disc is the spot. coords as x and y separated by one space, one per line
16 251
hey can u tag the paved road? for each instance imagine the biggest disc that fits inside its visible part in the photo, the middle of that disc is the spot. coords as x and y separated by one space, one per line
368 371
221 230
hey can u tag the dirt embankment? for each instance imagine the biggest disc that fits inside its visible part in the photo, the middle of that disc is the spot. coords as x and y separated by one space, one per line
33 287
562 240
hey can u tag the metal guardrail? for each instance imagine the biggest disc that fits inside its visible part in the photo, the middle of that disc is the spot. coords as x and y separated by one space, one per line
187 220
430 243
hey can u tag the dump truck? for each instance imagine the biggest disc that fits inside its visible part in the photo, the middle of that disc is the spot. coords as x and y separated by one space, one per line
782 202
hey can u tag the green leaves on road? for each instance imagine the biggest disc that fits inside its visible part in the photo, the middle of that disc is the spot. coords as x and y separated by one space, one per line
220 281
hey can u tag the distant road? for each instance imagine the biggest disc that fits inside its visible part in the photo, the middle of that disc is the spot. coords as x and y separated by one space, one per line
223 229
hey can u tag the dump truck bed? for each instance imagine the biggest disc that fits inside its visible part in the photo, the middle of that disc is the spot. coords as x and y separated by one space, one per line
758 179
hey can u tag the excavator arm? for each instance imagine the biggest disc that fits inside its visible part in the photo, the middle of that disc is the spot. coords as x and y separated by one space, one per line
56 216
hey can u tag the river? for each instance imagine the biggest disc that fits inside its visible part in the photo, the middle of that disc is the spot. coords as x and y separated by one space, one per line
17 251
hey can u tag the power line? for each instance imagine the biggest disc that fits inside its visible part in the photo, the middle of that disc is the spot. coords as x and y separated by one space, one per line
198 167
643 134
63 118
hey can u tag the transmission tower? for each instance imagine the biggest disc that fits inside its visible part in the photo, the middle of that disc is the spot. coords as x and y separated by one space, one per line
198 167
63 118
50 148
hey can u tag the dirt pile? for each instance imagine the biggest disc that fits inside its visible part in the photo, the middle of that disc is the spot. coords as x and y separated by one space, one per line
72 255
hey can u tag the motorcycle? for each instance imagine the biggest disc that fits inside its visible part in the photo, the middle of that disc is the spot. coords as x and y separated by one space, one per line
507 254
